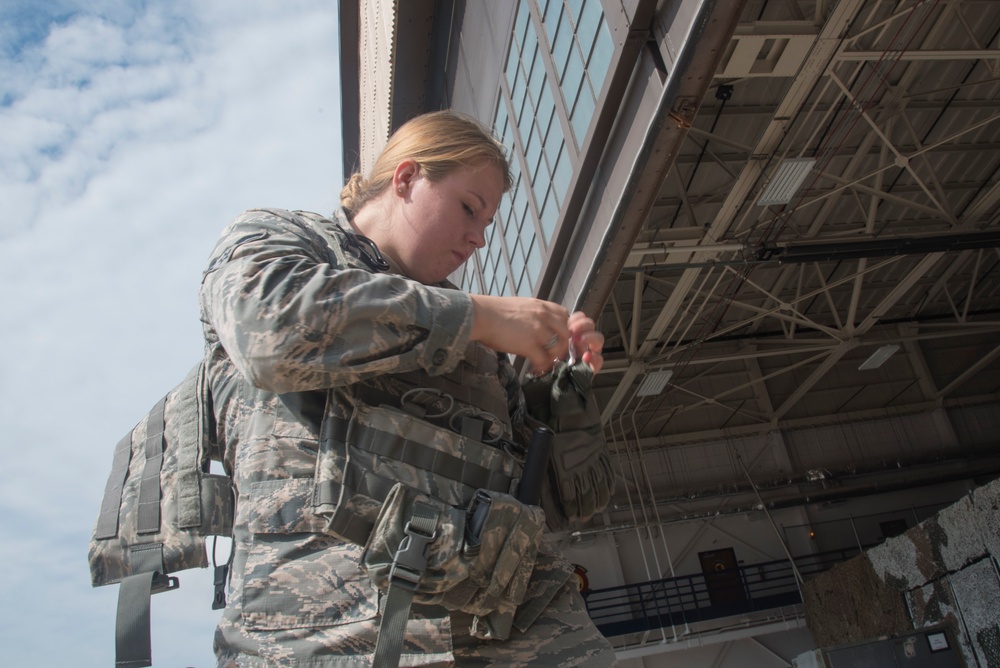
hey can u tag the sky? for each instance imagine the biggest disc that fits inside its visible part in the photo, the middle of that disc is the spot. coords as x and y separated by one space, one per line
131 133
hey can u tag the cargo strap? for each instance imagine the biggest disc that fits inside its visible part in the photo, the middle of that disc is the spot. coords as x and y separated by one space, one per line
408 567
132 641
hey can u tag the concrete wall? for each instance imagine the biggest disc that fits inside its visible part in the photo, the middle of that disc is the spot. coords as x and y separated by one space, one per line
945 569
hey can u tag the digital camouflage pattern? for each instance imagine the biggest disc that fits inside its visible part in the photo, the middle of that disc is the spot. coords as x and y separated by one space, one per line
297 326
188 504
477 578
581 466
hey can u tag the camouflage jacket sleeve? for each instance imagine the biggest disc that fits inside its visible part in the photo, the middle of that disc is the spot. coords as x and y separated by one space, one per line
295 314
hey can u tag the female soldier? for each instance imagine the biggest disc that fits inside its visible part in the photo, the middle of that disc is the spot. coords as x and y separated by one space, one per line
312 327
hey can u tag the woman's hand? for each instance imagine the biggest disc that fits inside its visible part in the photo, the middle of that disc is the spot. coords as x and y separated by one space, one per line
587 342
537 330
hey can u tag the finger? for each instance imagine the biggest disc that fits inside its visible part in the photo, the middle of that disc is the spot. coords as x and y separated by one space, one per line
579 323
595 360
540 364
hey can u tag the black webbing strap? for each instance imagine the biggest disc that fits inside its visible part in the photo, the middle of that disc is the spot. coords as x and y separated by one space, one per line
133 648
107 521
148 516
395 446
408 567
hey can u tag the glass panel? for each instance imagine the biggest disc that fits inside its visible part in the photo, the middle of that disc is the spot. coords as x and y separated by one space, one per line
552 147
600 59
573 79
575 6
517 91
546 108
534 263
520 204
561 44
500 124
532 156
582 115
550 215
562 175
587 24
536 80
517 261
542 179
550 18
487 273
521 22
513 56
530 39
510 235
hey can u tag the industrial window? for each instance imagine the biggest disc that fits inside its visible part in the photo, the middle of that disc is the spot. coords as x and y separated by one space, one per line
535 114
581 47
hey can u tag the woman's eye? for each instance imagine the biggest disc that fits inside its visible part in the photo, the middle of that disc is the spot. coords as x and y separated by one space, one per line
468 209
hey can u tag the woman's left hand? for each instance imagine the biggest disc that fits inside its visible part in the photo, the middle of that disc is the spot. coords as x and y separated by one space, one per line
587 342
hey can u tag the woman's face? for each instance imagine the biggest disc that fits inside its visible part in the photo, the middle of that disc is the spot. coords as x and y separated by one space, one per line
438 225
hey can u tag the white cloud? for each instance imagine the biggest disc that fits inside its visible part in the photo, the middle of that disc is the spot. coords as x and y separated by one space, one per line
129 136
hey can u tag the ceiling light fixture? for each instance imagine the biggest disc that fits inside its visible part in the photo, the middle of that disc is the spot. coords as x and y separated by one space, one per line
786 181
878 358
654 383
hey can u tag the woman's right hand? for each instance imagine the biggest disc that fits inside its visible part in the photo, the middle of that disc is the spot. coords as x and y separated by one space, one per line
531 328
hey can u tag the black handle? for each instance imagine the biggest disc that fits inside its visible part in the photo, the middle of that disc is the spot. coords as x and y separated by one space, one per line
535 464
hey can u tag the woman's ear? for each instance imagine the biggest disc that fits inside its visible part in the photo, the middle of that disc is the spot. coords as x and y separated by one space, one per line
403 177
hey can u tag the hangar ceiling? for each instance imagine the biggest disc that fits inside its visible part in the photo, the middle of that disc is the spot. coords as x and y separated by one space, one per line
836 195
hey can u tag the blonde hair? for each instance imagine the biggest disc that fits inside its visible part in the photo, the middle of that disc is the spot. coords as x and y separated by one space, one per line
439 142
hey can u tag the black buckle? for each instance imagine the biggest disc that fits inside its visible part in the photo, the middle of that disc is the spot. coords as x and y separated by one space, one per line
162 582
410 560
221 577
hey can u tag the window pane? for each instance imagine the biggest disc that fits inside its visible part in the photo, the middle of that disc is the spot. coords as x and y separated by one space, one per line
587 24
534 263
536 80
550 17
552 147
562 175
550 215
542 180
574 9
582 115
512 59
546 108
573 79
532 156
521 22
510 236
561 43
517 261
600 59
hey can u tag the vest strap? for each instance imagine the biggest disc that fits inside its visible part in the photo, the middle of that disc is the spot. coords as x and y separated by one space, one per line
408 566
107 522
133 648
148 520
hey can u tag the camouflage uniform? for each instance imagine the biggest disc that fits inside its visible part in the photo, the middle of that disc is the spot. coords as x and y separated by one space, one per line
294 321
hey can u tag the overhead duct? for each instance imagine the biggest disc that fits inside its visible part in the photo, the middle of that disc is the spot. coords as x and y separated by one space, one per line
848 250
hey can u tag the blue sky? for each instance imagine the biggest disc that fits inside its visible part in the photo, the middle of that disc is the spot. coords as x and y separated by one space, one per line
130 134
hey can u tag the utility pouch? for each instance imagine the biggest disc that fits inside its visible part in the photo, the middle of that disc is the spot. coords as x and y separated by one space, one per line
580 471
455 563
421 549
